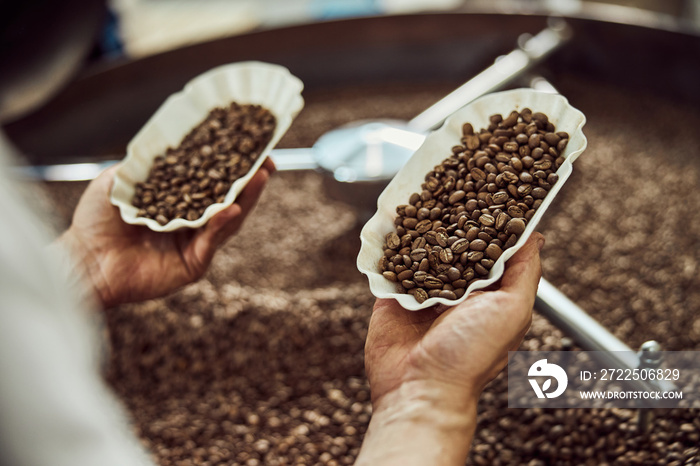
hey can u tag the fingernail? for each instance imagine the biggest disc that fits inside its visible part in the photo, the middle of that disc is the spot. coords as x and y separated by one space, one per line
540 243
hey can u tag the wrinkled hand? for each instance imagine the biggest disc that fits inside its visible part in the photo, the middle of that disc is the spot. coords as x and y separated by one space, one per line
128 263
461 349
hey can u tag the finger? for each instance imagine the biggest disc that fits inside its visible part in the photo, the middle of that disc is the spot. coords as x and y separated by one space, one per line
109 172
269 165
250 195
226 222
391 309
103 181
247 200
523 270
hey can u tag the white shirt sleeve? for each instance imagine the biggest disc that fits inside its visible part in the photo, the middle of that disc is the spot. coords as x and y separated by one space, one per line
55 408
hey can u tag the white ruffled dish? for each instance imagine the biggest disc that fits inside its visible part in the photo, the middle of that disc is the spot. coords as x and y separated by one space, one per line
434 150
268 85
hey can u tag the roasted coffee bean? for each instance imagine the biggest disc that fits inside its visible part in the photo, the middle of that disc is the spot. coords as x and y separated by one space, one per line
524 189
391 276
423 226
510 177
543 164
423 213
453 274
410 223
459 246
431 237
510 146
441 238
408 284
500 197
475 256
501 221
424 265
468 274
456 196
472 142
418 254
432 283
432 184
538 193
419 276
515 226
487 263
477 174
552 139
420 295
487 220
205 164
478 245
460 283
393 241
492 251
446 255
562 145
472 233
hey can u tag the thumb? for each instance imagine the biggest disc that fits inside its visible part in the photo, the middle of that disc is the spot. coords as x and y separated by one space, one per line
228 221
523 270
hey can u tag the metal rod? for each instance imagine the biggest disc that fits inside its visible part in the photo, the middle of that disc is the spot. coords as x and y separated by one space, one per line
284 159
532 50
294 159
590 335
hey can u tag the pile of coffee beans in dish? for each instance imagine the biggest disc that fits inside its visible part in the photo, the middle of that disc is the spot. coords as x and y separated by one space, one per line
200 171
473 205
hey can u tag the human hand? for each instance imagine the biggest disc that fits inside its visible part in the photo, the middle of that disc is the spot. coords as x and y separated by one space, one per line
427 368
128 263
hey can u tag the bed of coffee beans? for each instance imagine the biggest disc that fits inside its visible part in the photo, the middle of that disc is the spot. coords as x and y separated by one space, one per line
256 365
473 205
187 179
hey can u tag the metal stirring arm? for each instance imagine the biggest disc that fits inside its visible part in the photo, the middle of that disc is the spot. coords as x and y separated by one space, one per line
531 50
